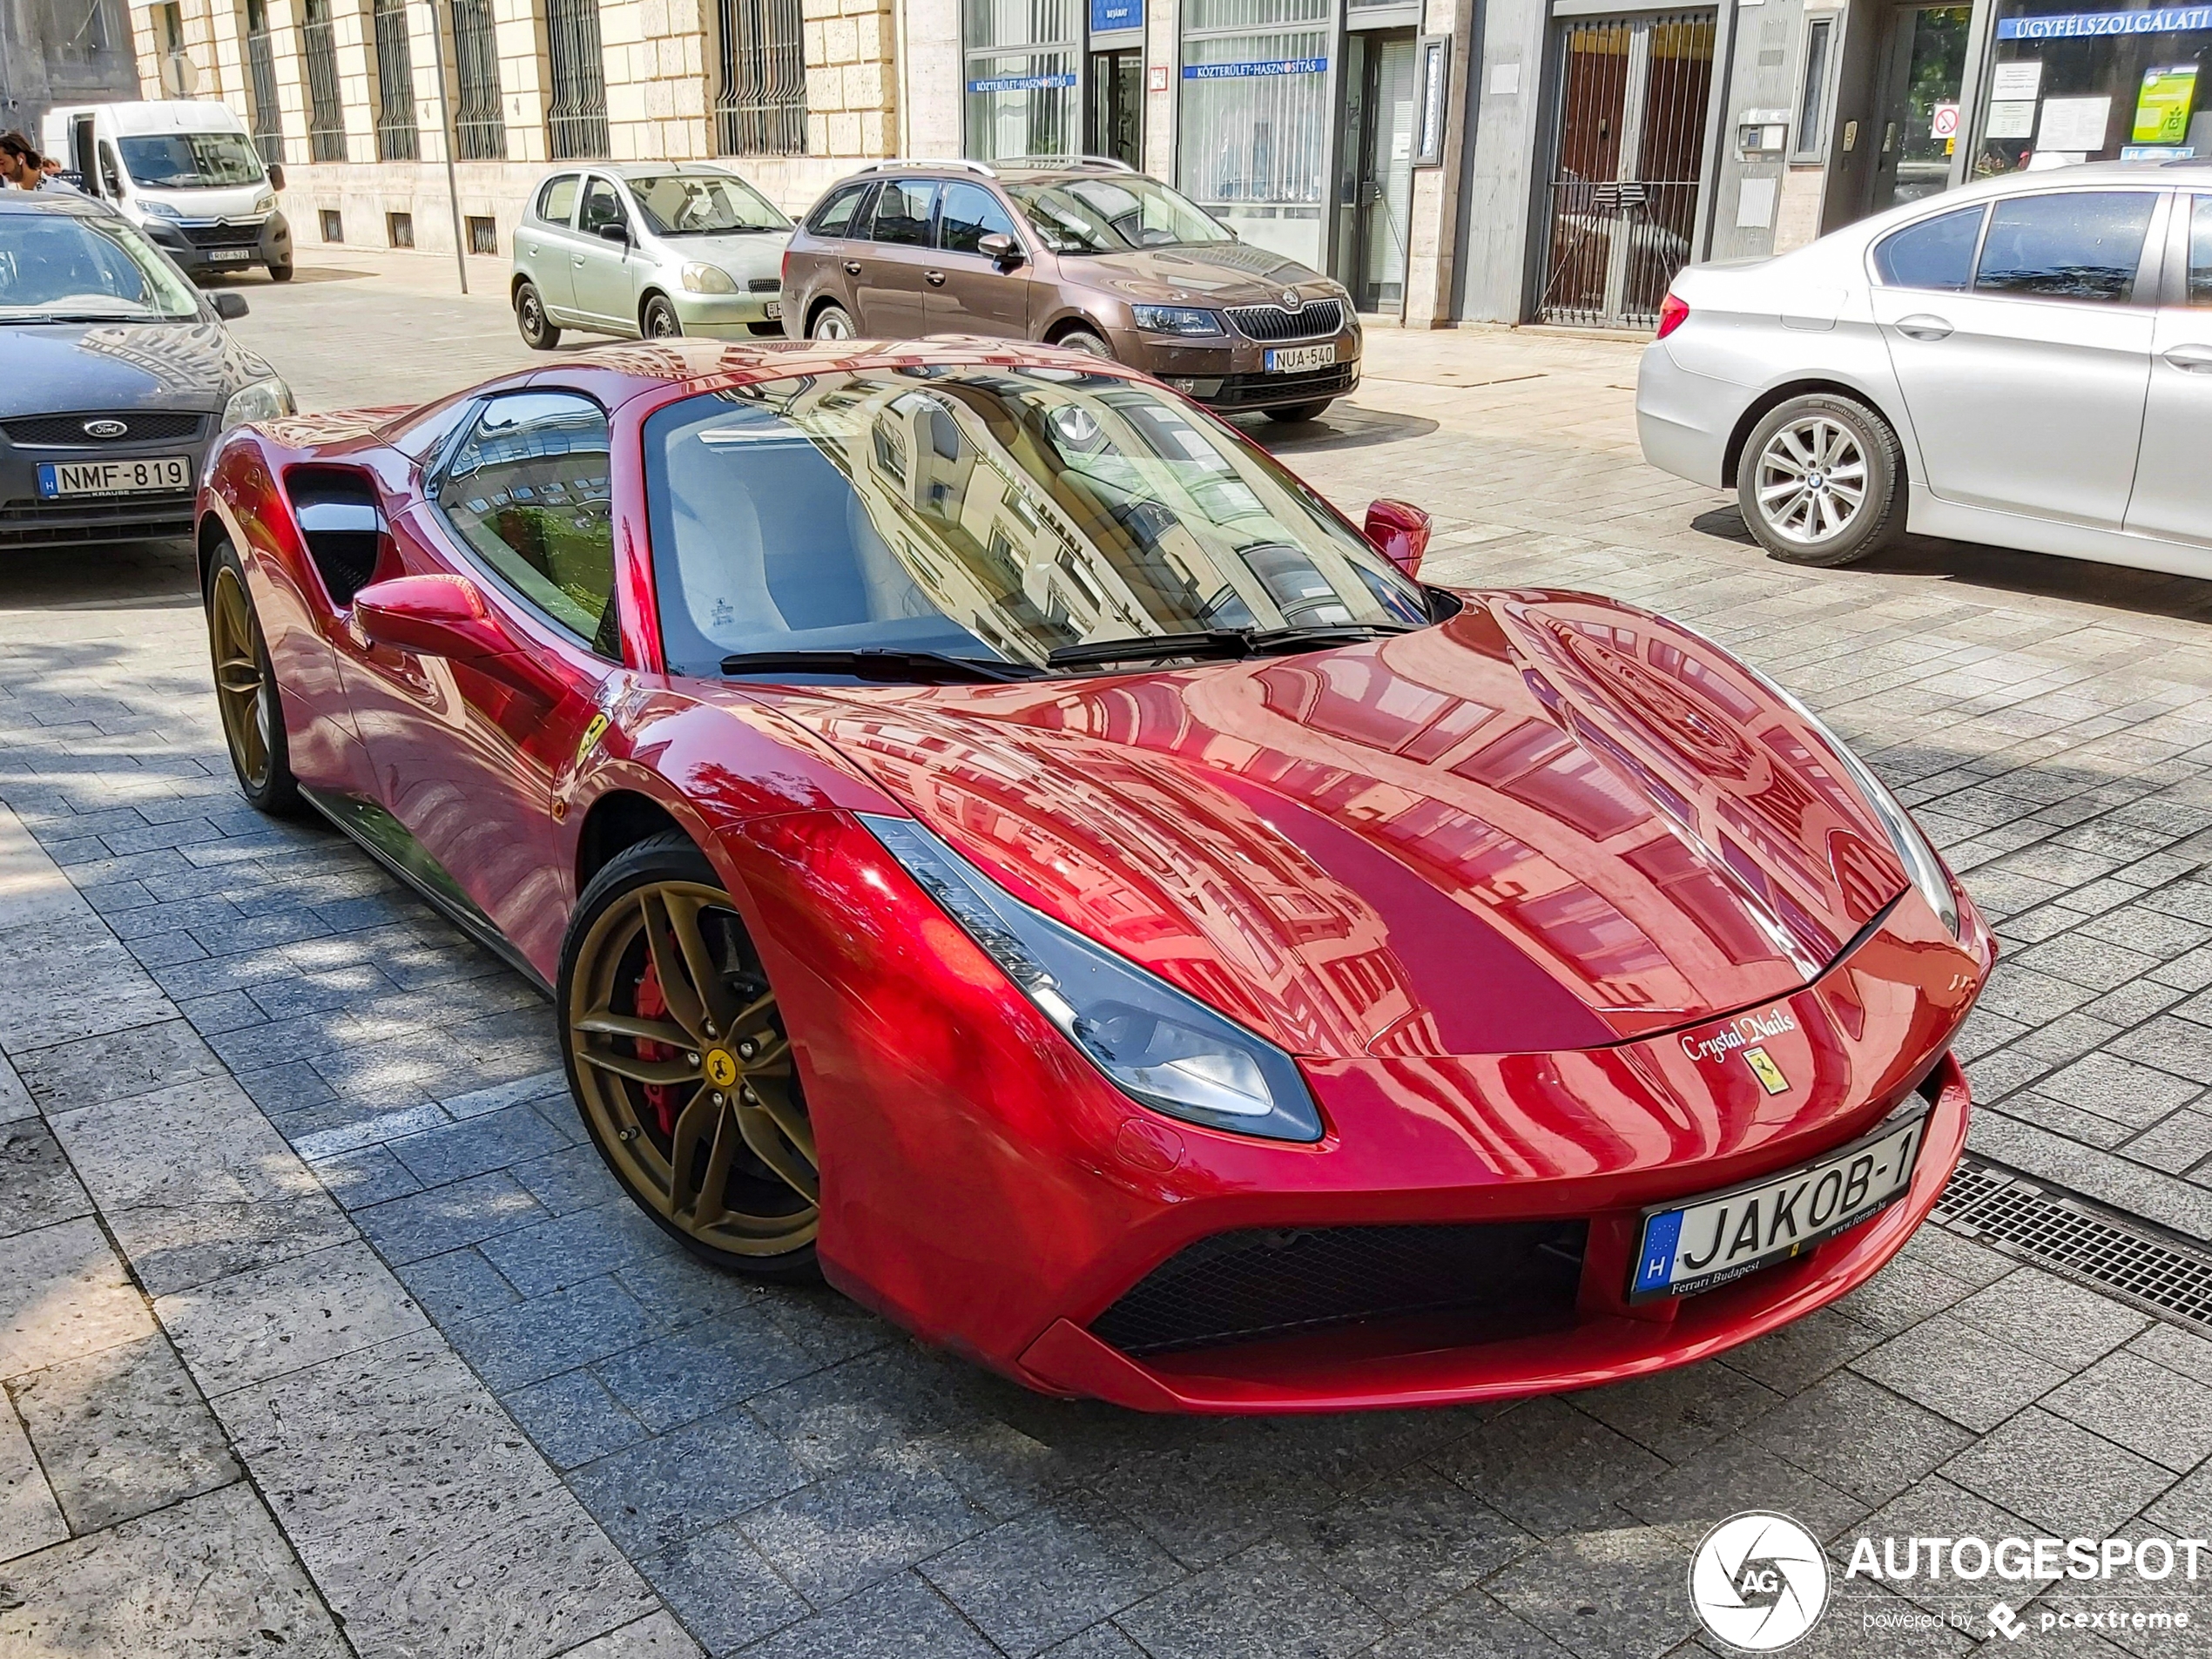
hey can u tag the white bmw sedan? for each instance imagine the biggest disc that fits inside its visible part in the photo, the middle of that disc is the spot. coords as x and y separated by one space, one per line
2025 361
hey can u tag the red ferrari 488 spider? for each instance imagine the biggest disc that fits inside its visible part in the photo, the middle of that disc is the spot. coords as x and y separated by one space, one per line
992 834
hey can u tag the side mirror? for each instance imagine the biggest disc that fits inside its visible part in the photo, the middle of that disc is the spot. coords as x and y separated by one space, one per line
616 231
1000 248
229 307
432 615
1400 532
276 175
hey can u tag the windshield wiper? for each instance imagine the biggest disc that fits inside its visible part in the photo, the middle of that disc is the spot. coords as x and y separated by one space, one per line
90 316
890 667
1217 642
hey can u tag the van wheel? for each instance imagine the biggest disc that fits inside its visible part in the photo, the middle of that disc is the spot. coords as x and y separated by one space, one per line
661 321
1820 480
280 273
538 332
1312 411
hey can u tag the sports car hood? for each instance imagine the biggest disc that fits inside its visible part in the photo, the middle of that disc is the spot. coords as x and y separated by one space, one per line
1551 822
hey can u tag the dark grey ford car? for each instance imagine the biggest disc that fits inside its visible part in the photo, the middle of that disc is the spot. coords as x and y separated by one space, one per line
115 375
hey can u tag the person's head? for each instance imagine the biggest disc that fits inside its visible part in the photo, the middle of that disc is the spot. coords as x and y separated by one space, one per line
18 159
51 166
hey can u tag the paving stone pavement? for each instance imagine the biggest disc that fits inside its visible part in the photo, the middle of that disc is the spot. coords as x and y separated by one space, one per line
291 1194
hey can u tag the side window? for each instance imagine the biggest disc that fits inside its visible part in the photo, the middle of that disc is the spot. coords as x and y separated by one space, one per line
2079 245
1937 252
971 213
835 217
2200 252
111 175
557 202
601 206
528 492
902 213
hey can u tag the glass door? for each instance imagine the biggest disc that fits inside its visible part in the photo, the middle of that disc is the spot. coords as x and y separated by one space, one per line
1926 70
1375 169
1115 125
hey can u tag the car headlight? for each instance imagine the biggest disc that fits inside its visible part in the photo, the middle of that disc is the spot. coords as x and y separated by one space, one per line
265 202
263 401
708 279
1160 1045
1912 847
1174 320
160 210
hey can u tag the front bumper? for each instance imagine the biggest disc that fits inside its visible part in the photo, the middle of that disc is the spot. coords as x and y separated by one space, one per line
209 248
729 316
1230 373
996 1195
27 520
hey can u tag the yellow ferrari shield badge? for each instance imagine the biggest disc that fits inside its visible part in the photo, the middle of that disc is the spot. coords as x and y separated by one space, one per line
1769 1074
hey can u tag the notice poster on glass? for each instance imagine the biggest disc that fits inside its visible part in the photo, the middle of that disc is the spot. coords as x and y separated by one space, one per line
2073 124
2015 82
2163 107
2011 120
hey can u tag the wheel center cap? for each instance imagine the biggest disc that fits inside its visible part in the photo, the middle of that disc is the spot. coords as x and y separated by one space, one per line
721 1068
1818 481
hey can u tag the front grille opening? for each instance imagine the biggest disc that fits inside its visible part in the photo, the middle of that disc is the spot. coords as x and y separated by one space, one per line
2075 1239
1315 319
1268 1281
67 431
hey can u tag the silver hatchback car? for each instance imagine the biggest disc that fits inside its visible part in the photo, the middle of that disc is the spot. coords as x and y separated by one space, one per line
649 250
2025 361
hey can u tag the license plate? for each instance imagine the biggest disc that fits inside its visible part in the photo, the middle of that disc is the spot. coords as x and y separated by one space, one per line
113 477
1291 359
1710 1241
240 254
773 311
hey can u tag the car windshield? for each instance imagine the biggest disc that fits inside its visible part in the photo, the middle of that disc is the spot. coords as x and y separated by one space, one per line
190 160
84 267
703 205
1112 214
995 515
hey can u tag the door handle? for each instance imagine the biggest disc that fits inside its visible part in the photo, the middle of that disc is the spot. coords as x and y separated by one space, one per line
935 278
851 267
576 260
1923 327
2194 359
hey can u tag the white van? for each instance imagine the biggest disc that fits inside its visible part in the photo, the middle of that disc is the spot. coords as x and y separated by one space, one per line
185 173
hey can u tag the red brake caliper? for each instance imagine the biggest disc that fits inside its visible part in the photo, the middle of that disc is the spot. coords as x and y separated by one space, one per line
652 1005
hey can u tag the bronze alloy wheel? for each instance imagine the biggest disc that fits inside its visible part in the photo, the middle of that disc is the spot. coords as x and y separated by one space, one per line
684 1072
241 693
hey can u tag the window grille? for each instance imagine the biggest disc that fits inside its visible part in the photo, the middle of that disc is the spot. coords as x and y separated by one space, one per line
326 116
260 62
395 139
479 133
760 100
576 126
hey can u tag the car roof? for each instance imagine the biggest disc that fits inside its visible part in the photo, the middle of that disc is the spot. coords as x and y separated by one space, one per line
2178 174
70 202
135 116
648 169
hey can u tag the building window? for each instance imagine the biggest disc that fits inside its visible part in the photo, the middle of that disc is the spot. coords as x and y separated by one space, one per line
484 234
399 229
1813 96
260 62
760 102
81 44
1019 63
334 227
576 124
1254 123
395 83
326 116
2070 84
479 133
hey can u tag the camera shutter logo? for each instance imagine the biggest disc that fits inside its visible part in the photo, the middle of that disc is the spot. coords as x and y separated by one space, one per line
1758 1581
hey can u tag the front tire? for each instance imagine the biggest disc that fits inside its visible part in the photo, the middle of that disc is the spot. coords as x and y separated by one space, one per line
280 273
681 1066
537 329
247 699
1312 411
831 322
660 321
1083 341
1820 480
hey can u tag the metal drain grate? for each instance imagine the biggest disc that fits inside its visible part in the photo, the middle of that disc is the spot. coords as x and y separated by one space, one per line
2066 1234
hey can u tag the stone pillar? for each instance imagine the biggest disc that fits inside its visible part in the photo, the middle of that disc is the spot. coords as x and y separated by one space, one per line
851 51
1435 213
226 58
525 77
655 53
936 77
352 39
291 67
1163 51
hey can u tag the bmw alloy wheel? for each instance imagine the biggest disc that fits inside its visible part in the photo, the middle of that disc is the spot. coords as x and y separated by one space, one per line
1811 480
683 1069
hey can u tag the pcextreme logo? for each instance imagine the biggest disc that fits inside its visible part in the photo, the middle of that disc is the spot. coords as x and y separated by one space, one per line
1758 1581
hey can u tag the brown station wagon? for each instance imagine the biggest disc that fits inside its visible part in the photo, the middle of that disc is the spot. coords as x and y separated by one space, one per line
1084 253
